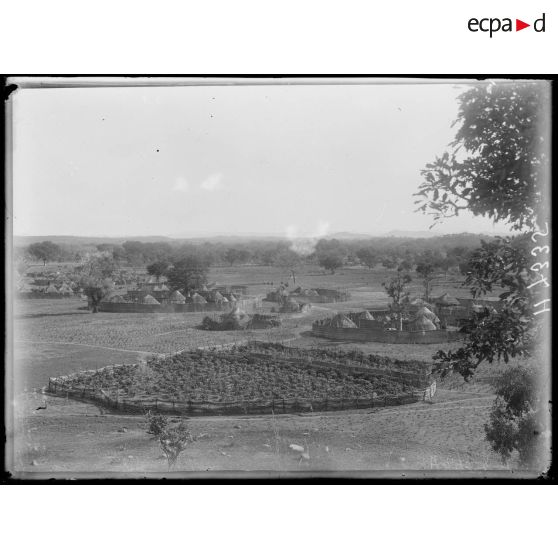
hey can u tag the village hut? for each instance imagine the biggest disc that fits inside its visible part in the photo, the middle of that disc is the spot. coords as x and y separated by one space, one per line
312 293
422 323
232 298
116 298
51 289
477 308
217 297
164 288
236 319
204 289
342 321
423 311
224 300
198 299
148 299
365 316
177 297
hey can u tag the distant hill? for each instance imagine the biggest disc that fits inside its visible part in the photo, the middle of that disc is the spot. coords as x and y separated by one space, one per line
87 240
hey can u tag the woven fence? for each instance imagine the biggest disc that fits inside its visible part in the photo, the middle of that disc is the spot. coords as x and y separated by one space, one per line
142 405
423 390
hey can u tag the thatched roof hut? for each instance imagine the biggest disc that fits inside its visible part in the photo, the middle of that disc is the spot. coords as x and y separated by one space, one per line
116 298
422 323
365 315
237 318
148 299
177 297
342 321
51 289
198 299
423 311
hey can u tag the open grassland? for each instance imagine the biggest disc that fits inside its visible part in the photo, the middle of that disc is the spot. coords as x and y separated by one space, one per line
69 438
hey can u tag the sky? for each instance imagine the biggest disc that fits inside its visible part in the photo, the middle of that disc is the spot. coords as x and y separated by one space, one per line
285 160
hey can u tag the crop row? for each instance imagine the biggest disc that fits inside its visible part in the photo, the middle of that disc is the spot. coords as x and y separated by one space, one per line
357 358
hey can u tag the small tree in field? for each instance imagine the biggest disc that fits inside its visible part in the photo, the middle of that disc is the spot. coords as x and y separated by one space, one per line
173 440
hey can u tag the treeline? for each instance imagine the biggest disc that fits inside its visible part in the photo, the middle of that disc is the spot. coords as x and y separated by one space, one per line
446 251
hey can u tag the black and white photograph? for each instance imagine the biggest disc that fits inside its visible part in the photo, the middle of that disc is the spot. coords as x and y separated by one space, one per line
255 277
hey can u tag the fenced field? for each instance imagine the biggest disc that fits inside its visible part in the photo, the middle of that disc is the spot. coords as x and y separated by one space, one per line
250 378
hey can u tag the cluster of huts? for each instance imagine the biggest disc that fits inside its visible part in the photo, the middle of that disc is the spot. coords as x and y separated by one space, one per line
46 288
238 319
155 295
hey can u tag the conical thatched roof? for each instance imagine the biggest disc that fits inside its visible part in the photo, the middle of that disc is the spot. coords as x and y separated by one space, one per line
237 316
164 288
422 323
204 289
232 298
217 296
51 289
447 300
341 321
177 297
148 299
312 292
198 299
423 311
224 299
365 316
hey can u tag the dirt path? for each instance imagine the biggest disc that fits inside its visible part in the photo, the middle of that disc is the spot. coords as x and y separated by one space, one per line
85 345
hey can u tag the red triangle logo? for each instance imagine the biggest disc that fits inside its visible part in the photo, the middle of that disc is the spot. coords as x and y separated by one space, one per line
519 25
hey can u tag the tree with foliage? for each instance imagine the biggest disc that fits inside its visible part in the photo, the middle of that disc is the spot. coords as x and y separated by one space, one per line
368 256
395 288
96 271
46 251
330 254
173 440
516 419
289 260
188 273
158 268
427 265
498 166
